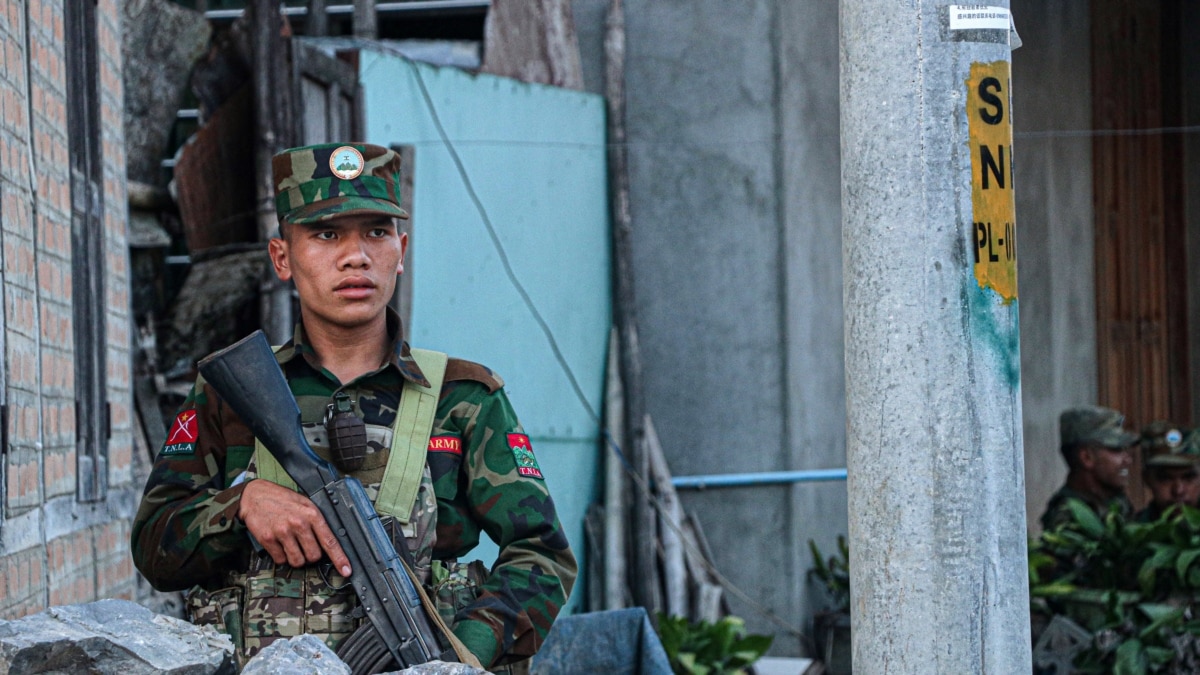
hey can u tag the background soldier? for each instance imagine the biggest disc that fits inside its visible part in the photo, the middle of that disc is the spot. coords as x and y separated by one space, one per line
218 518
1096 448
1169 458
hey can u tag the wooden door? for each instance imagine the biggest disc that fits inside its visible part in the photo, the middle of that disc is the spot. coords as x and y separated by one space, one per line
1138 181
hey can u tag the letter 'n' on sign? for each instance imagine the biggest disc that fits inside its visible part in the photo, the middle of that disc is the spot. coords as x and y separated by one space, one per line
992 231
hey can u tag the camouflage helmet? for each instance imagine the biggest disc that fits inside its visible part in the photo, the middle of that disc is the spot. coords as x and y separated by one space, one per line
1167 444
1094 425
318 182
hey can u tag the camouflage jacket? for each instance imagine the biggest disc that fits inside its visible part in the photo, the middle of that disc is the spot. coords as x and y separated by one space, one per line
187 533
1058 514
1150 514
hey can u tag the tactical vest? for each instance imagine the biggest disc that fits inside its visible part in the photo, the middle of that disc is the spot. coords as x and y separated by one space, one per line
270 602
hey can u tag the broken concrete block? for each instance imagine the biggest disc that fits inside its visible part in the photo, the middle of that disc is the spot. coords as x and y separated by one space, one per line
114 637
301 655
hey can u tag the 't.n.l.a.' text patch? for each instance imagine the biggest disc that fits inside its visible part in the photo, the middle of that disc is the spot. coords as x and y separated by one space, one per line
522 451
182 438
450 444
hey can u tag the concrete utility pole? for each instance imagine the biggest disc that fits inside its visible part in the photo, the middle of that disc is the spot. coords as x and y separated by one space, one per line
934 452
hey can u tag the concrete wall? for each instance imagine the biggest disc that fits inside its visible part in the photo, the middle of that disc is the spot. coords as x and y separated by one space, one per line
54 550
733 145
811 217
1053 160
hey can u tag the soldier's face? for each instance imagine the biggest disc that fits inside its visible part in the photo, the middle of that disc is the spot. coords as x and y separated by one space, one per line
345 269
1110 466
1173 485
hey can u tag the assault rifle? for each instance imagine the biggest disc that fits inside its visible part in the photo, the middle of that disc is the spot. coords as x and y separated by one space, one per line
249 379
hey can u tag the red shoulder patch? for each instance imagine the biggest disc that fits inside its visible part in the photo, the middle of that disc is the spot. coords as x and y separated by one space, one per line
522 452
182 437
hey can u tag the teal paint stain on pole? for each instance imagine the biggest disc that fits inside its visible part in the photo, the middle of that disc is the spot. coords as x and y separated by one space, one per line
996 326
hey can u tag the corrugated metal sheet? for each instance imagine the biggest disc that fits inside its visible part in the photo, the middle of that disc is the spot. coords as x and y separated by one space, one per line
535 156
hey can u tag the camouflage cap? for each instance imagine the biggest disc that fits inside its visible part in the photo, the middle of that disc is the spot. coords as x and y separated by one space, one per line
1094 425
1166 444
319 182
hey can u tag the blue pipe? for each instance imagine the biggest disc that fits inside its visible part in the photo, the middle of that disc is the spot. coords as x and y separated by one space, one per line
765 478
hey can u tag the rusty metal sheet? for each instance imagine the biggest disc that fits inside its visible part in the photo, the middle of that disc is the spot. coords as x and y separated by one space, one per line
214 178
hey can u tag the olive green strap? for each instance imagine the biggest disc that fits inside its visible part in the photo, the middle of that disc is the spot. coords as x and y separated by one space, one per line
410 437
268 467
410 442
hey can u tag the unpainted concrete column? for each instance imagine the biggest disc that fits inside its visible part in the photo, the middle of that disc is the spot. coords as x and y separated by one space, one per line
936 483
366 21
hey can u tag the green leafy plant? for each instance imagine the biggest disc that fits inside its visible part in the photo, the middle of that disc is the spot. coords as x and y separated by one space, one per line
833 573
1135 586
703 648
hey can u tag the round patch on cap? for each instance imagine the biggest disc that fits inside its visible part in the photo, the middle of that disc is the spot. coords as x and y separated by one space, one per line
346 163
1174 437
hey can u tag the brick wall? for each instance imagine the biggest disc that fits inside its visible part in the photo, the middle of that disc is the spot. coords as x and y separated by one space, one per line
54 549
117 324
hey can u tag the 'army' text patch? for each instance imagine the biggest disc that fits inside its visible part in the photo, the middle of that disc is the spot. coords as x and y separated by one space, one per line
450 444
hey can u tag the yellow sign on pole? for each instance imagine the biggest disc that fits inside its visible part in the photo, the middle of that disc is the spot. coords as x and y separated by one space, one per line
994 224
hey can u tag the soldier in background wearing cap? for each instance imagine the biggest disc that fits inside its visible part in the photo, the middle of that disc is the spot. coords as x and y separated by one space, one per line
213 488
1169 461
1096 448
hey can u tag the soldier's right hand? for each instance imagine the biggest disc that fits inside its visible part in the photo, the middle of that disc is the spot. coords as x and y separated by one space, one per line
289 526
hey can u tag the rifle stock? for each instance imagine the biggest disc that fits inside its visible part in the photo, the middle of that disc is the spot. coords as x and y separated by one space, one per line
249 379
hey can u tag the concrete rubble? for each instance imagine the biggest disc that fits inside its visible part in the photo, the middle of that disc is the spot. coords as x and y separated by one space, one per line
308 655
111 637
302 655
118 637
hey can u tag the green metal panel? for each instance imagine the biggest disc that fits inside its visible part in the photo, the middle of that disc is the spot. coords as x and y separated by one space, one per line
535 157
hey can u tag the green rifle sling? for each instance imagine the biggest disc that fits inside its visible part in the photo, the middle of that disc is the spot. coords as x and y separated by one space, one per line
410 442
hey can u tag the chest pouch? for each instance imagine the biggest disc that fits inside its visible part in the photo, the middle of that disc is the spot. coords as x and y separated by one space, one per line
406 464
347 433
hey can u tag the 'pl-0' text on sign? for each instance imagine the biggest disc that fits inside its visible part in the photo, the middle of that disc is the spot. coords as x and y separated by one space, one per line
993 228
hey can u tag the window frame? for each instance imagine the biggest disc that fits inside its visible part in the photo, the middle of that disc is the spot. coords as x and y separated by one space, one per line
86 169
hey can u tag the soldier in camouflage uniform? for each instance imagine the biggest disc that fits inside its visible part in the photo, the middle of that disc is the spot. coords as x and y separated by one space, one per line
1170 459
1096 448
219 518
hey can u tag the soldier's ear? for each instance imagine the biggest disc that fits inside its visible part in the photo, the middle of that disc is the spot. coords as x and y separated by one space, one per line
1087 458
278 249
403 250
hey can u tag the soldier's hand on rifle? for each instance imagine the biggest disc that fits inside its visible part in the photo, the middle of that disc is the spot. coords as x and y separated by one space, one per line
289 526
